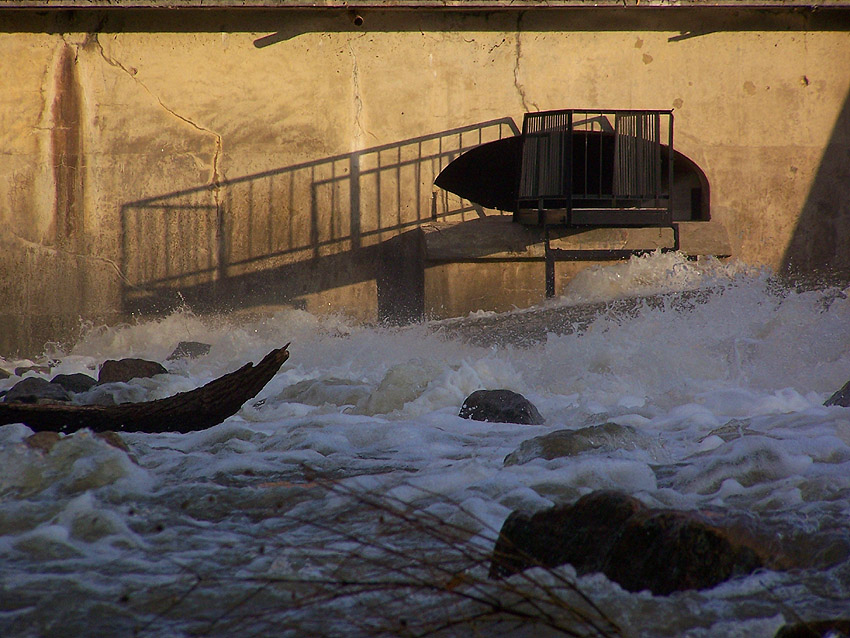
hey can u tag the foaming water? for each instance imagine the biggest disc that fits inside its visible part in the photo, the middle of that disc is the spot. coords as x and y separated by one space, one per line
356 446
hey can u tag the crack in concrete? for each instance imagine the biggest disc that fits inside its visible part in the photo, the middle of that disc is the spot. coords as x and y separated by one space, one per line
358 101
215 177
517 84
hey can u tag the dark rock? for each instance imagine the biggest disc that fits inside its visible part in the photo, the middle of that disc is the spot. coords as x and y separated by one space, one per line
500 406
581 534
639 548
189 350
76 383
842 397
837 628
36 390
606 437
667 551
126 369
4 374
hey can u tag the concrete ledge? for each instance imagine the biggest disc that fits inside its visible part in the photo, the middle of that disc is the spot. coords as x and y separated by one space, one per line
704 238
619 239
497 238
490 238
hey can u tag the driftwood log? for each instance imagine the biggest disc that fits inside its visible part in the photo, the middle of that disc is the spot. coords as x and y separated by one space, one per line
184 412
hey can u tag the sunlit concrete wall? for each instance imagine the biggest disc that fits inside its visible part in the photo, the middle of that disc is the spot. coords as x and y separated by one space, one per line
233 158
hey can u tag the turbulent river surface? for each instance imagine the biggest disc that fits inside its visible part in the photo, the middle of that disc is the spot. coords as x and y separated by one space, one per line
349 499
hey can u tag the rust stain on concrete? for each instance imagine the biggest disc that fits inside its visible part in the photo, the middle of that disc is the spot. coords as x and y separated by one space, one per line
66 145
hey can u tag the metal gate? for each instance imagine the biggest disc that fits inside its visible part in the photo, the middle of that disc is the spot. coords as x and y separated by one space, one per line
599 168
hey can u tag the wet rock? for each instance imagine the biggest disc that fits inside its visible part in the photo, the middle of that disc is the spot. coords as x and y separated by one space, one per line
500 406
76 383
401 384
581 534
43 441
46 441
321 391
114 439
126 369
36 390
837 628
639 548
841 397
606 437
667 551
189 350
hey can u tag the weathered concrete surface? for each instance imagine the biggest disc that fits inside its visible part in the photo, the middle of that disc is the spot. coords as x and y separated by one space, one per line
698 239
259 157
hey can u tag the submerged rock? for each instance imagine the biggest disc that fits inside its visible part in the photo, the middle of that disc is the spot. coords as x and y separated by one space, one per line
401 384
36 390
841 397
500 406
76 383
637 547
189 350
46 441
606 437
43 441
125 369
40 369
330 390
837 628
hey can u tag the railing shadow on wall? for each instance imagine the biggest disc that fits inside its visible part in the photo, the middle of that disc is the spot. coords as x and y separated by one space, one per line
281 235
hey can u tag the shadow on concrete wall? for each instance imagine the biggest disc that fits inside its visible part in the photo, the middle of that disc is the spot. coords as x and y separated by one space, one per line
819 246
281 235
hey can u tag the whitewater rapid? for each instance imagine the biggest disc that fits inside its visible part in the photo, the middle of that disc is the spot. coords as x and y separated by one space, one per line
228 531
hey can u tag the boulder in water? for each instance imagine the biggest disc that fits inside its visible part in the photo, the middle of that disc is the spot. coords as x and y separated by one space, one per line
126 369
189 350
43 441
606 437
841 397
666 551
500 406
36 390
836 628
637 547
76 383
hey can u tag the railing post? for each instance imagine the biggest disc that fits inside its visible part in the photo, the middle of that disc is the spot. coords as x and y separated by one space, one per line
549 265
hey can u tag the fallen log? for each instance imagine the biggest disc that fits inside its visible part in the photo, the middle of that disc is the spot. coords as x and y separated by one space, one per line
190 411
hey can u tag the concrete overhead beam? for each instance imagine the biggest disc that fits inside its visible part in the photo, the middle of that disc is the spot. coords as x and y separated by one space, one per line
454 5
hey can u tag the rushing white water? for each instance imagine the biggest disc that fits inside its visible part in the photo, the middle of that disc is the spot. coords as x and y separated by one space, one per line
342 468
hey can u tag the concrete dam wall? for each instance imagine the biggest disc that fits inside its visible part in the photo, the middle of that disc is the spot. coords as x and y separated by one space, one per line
231 157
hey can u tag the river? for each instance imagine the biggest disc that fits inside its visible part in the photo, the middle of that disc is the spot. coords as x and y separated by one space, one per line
349 499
